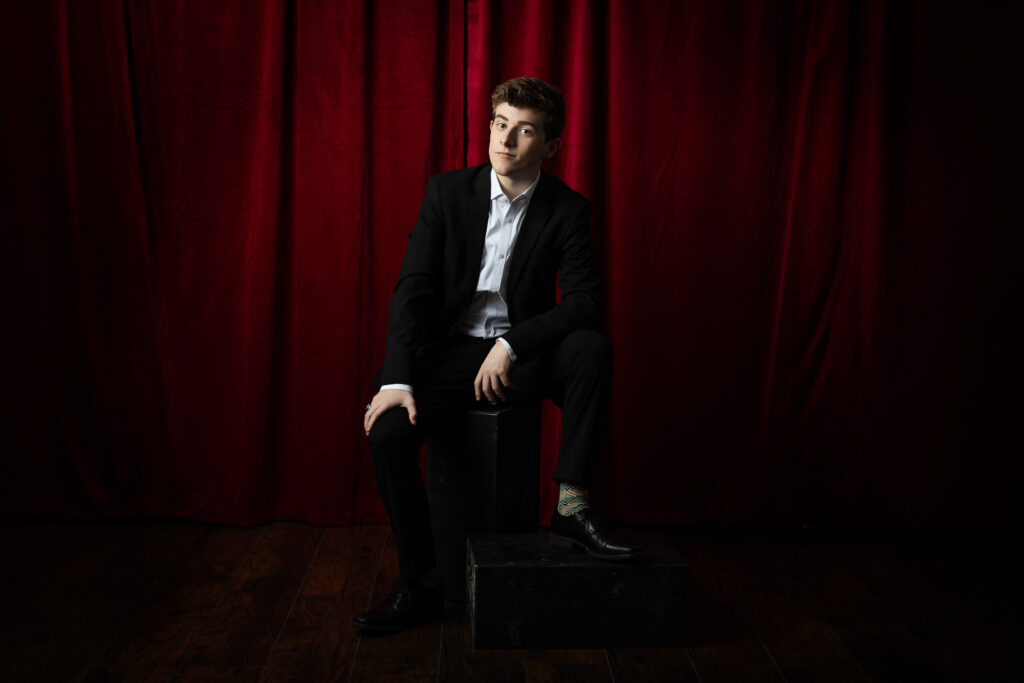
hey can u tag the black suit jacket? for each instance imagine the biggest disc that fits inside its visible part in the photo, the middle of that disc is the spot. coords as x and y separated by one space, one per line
442 266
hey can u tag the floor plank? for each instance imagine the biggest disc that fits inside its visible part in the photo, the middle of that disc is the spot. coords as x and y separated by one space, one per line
722 644
882 645
228 674
346 563
799 640
153 600
155 642
48 565
461 662
576 665
241 630
45 549
652 664
108 588
407 656
318 642
981 583
953 638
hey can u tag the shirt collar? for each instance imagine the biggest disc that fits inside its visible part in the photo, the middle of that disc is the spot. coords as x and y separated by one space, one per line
497 192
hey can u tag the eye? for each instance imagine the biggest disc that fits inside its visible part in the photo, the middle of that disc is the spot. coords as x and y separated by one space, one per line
526 131
501 126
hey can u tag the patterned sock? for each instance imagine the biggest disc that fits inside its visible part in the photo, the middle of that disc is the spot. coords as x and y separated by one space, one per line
571 498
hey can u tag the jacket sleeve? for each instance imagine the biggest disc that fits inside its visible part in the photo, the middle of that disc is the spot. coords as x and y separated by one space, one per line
415 301
579 281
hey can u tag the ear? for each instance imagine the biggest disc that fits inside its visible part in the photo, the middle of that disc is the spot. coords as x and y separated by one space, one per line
552 147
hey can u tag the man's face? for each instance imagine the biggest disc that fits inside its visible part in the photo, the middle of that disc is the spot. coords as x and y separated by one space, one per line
518 144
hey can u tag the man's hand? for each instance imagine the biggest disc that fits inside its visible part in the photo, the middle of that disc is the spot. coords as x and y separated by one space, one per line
384 401
492 379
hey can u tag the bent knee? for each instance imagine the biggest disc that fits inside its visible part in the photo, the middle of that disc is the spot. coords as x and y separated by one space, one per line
590 344
391 433
586 351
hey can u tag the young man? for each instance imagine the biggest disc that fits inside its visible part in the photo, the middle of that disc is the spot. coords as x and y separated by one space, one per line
473 318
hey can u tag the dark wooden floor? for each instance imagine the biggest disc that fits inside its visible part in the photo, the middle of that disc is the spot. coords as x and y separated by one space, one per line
148 600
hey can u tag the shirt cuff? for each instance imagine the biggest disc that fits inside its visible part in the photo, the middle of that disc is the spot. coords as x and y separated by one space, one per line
403 387
508 347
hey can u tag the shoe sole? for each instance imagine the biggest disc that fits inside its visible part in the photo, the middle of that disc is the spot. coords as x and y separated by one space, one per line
378 630
566 542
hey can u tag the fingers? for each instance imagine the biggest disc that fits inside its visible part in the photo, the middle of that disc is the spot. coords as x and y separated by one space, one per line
496 386
377 408
506 381
383 402
368 418
492 386
482 387
492 380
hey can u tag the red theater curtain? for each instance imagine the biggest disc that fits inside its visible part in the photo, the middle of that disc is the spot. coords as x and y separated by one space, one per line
205 207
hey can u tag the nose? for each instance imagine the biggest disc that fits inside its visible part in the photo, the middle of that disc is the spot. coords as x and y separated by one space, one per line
509 139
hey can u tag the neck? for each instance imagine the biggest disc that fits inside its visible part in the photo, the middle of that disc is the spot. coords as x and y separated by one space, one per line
515 186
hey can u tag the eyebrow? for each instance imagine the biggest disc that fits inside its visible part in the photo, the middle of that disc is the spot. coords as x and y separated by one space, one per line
531 124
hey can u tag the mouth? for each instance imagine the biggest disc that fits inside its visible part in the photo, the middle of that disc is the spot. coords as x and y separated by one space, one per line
505 155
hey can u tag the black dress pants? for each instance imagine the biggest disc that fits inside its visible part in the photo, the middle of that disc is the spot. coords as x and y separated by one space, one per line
576 375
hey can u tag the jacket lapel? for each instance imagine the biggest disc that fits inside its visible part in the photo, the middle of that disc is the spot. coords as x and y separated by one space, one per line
533 224
477 205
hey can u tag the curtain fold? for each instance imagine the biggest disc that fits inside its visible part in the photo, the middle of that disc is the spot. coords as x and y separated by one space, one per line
800 211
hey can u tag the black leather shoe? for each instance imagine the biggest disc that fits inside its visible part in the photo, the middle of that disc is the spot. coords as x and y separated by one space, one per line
406 607
585 529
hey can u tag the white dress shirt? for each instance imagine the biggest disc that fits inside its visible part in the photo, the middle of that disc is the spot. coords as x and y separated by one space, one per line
487 316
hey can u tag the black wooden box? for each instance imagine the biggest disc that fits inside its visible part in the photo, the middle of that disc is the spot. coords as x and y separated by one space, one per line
524 592
482 478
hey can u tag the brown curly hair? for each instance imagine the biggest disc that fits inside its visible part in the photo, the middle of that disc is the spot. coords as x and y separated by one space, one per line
532 93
